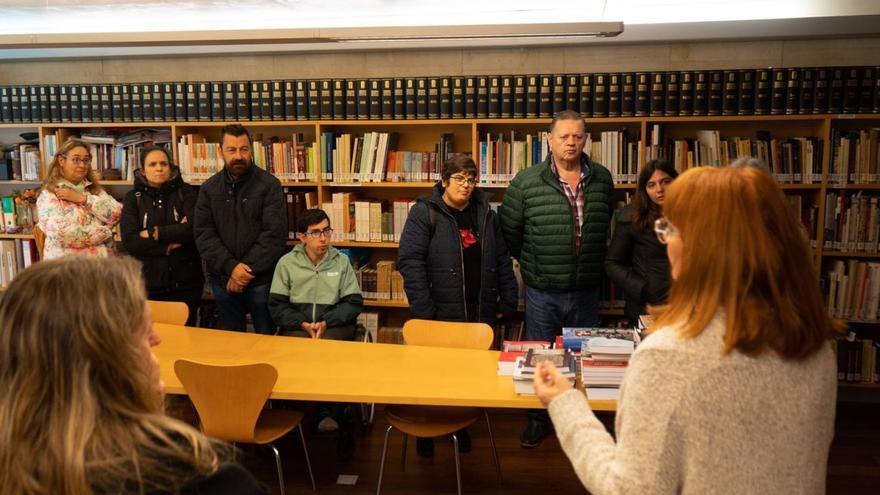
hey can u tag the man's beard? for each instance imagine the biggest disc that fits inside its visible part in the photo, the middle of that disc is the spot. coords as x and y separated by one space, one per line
238 167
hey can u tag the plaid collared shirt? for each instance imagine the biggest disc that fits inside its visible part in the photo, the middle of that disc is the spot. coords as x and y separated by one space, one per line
575 198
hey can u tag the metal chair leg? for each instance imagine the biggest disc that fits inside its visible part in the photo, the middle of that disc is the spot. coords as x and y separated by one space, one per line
278 465
302 437
403 453
457 463
494 450
382 460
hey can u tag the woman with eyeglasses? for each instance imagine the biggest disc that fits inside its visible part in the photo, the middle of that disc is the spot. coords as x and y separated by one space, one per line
157 220
636 261
453 258
735 390
73 210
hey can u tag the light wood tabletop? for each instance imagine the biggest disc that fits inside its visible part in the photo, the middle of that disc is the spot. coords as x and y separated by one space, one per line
335 371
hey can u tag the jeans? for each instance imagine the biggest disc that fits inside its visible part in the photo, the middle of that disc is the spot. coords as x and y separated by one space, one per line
232 308
548 312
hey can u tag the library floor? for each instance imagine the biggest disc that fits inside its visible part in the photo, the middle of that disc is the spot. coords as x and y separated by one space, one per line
854 463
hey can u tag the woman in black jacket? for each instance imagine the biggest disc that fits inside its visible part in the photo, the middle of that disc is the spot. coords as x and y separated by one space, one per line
157 219
636 261
454 260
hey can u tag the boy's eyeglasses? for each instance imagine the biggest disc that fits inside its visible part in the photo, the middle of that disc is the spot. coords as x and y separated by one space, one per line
314 234
664 230
461 180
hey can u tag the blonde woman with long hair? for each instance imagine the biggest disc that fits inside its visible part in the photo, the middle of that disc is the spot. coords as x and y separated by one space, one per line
73 210
82 399
735 390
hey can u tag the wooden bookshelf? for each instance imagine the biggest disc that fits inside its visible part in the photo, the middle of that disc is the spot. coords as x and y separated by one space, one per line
16 236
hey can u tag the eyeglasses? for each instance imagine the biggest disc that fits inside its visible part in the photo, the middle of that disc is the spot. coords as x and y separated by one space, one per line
461 180
79 160
664 230
314 234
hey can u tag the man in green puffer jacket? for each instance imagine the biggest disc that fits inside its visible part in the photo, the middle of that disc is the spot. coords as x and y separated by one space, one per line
555 219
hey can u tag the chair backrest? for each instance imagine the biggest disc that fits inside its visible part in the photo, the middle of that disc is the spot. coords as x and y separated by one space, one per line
39 240
170 312
448 334
229 399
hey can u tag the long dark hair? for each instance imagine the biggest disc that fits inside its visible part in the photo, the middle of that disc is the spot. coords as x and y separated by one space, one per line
645 211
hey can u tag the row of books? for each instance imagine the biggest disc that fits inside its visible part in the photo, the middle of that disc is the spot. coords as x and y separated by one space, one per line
16 217
852 222
15 256
793 160
806 211
366 221
297 202
857 360
853 288
382 283
20 162
768 91
854 158
374 157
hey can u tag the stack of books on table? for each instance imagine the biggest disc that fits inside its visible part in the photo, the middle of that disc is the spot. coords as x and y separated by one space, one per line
524 370
604 360
512 349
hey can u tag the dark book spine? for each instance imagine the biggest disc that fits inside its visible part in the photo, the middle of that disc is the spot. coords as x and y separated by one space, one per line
778 94
85 103
422 98
412 94
302 101
218 108
519 96
807 92
532 97
558 94
146 103
614 95
326 99
821 92
34 103
658 94
314 100
170 98
730 93
716 92
54 109
205 101
64 102
433 98
277 99
457 97
399 98
793 91
470 98
266 100
375 99
701 93
763 90
158 103
45 111
600 95
494 110
482 97
24 103
229 103
851 90
179 111
572 92
15 104
289 101
545 97
628 95
746 99
643 94
445 98
877 108
673 94
835 91
76 108
117 103
5 109
363 99
507 97
686 99
192 101
866 90
351 111
339 101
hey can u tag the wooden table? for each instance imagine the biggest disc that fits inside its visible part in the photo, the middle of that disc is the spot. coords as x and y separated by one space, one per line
335 371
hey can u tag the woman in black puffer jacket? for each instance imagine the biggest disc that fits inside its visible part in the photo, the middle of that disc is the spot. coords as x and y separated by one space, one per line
157 219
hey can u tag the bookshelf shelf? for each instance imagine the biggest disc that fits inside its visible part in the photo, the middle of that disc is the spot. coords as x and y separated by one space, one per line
117 182
293 183
375 303
850 254
853 186
393 245
399 185
868 385
16 236
19 182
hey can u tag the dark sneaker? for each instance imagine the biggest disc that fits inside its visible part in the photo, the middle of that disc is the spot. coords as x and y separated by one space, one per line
425 447
533 434
464 440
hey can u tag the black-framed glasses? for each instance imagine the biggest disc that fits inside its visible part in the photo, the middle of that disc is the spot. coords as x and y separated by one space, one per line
461 180
314 234
79 160
664 230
